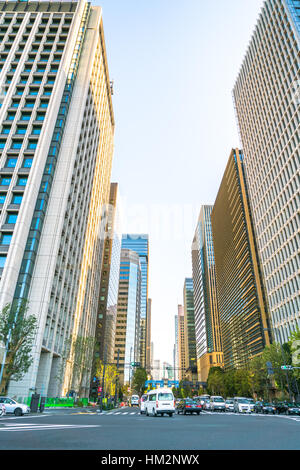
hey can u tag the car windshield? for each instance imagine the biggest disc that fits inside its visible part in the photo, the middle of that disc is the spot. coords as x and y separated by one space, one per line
191 402
218 400
165 396
267 404
230 402
243 401
250 400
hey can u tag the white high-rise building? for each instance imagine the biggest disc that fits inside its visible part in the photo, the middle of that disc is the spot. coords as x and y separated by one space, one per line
56 148
267 101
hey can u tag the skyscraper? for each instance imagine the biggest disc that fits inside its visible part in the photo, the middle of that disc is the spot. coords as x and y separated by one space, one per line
266 96
148 336
108 297
189 326
140 244
207 321
182 359
128 314
57 128
242 304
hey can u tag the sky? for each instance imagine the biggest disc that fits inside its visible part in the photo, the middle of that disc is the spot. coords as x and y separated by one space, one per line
174 64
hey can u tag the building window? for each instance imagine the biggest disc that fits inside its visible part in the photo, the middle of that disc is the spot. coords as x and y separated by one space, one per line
12 218
2 260
22 181
17 199
5 181
2 198
6 238
11 162
27 162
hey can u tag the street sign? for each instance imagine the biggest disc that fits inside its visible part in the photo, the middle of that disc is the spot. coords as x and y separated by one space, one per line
287 367
135 364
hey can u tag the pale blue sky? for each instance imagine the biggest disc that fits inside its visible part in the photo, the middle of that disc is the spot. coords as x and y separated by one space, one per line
174 64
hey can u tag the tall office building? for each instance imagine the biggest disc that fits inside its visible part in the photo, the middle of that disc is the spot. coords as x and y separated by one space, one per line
189 326
140 244
267 100
176 351
207 321
156 373
182 359
108 297
57 128
128 314
148 337
242 304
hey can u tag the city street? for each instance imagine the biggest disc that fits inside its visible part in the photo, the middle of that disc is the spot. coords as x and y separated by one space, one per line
126 429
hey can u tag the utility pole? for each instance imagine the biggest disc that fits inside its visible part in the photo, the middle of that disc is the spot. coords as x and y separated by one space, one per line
117 380
103 380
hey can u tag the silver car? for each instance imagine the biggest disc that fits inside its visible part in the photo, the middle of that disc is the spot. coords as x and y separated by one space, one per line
229 404
12 406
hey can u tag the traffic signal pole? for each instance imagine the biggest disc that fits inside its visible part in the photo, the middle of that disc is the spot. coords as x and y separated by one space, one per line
286 373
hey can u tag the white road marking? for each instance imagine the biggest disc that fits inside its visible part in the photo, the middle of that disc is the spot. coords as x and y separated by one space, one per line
42 427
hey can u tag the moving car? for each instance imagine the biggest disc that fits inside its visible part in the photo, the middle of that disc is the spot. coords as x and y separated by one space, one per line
142 404
159 402
134 400
188 405
229 404
12 406
217 403
264 407
241 405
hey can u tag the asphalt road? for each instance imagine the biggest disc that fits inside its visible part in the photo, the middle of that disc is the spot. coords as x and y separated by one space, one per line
126 429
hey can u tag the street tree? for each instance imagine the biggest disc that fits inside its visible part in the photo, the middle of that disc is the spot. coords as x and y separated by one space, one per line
138 380
17 331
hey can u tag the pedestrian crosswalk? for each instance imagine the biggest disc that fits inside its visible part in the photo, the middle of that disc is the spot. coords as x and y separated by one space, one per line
14 427
123 413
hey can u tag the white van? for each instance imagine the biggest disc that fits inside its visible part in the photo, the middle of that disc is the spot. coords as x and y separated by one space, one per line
160 401
134 401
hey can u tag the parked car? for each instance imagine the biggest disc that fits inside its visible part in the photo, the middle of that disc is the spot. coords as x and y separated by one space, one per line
280 407
252 404
12 406
206 404
188 405
142 404
241 405
217 403
264 407
229 404
292 409
2 409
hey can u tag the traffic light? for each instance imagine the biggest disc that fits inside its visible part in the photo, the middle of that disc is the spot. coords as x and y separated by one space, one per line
270 368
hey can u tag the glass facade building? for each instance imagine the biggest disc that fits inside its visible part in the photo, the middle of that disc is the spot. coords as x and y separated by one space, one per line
189 322
128 314
267 102
108 296
244 318
207 321
55 165
140 244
